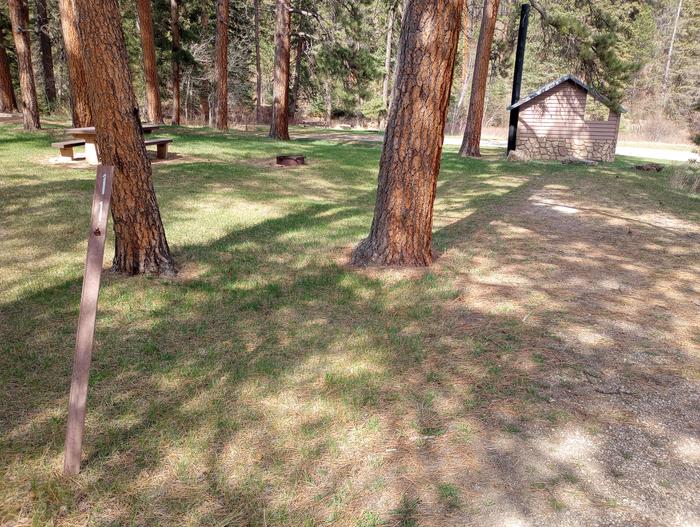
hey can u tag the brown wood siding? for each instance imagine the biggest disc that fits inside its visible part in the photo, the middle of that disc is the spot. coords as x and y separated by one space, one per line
559 114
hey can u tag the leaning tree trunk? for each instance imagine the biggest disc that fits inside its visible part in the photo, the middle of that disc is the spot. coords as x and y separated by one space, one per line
140 243
221 57
279 127
150 70
8 102
19 16
80 107
472 132
401 232
42 26
175 33
258 72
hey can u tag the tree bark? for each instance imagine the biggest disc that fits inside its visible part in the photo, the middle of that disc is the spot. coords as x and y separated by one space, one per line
279 127
328 97
401 232
19 17
465 37
387 57
140 243
294 98
221 53
258 72
42 24
204 107
465 66
205 88
8 102
175 34
150 69
80 106
472 131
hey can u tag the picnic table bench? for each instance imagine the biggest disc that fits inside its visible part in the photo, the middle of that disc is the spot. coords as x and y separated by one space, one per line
161 146
87 136
66 147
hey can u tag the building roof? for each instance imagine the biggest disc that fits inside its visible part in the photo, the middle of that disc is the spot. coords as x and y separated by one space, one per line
592 92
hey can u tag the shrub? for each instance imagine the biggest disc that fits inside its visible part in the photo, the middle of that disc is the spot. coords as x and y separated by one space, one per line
686 177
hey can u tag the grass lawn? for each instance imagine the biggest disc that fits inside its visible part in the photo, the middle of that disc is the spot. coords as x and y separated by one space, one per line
543 372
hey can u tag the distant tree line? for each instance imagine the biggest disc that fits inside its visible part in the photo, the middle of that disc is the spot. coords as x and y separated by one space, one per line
343 55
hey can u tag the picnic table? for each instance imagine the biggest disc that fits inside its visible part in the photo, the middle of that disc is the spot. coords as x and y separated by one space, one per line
89 135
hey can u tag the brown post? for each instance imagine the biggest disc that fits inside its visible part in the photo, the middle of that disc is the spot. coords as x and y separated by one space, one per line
86 319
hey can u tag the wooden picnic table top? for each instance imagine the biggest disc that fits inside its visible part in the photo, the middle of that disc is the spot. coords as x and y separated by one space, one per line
90 130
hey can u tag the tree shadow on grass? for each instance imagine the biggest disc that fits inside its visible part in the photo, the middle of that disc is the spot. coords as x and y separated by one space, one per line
270 386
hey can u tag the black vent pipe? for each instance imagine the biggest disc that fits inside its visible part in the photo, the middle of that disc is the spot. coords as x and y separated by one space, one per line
518 75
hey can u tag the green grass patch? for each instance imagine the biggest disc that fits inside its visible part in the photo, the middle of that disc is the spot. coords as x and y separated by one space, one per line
269 380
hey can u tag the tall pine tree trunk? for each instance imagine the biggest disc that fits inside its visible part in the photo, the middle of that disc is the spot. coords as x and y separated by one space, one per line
19 16
465 66
150 70
42 29
328 99
294 97
472 131
205 88
221 59
387 56
8 102
279 127
80 106
401 232
258 71
140 243
175 34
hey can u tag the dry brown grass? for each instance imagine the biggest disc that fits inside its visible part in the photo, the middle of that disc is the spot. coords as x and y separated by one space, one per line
686 177
543 372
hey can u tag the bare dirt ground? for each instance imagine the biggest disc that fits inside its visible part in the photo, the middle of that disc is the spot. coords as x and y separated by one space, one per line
611 295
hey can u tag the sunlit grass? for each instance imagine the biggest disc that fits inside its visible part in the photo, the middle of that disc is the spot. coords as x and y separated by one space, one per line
270 383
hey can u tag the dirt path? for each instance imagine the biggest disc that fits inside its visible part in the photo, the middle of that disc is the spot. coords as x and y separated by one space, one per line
607 296
664 154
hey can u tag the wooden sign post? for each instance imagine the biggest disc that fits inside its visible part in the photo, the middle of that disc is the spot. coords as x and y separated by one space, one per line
86 319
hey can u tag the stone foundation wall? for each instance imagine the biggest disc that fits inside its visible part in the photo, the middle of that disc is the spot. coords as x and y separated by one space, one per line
561 148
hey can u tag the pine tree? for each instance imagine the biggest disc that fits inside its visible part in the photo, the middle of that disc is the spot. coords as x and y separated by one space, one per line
19 17
140 243
150 68
42 30
222 64
401 232
472 132
175 39
587 35
80 106
279 126
8 102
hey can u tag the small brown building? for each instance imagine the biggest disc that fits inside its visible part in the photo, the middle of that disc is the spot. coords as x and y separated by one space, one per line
567 118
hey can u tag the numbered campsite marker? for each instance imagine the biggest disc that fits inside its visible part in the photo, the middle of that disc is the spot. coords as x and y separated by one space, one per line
86 319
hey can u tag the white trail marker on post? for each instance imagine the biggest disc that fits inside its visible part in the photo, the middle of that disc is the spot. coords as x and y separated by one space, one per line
86 319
